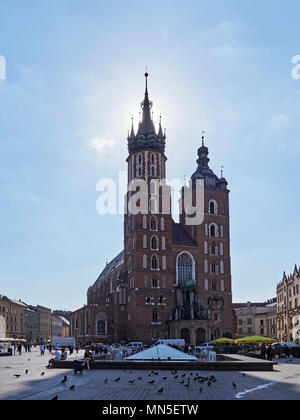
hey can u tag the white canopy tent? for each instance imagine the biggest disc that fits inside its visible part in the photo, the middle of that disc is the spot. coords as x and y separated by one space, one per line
162 352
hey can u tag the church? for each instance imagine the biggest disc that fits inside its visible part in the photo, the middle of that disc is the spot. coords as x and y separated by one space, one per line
172 280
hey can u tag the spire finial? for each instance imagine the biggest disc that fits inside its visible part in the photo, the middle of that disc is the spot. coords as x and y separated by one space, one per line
146 76
222 171
203 138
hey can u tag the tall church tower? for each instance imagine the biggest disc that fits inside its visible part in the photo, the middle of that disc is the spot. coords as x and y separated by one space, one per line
147 231
212 236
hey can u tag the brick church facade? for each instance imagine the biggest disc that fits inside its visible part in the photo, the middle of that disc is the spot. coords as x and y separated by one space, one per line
172 280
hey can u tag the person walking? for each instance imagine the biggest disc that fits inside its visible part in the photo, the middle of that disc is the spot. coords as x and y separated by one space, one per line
270 353
20 349
263 352
42 349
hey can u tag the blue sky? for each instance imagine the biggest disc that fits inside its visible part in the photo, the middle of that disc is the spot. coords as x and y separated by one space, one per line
74 77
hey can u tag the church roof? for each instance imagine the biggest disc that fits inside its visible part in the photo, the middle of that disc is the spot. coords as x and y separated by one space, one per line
162 352
181 237
110 267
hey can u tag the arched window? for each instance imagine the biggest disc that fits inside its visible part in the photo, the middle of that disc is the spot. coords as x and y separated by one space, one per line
154 243
213 207
154 263
213 249
153 224
214 268
185 268
100 327
154 283
154 317
213 231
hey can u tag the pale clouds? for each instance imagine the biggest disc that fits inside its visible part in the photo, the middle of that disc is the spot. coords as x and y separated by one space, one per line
102 144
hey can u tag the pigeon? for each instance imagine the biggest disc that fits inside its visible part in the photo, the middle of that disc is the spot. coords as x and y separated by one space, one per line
187 385
106 381
131 382
43 373
201 390
26 371
160 391
55 398
183 375
181 382
151 382
117 380
17 376
233 385
165 378
72 387
208 383
28 360
176 377
64 380
140 378
244 374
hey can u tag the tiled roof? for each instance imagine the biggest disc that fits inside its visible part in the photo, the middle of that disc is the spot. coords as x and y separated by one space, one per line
115 263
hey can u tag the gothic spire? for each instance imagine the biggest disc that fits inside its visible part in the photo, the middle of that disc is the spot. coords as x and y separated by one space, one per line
146 126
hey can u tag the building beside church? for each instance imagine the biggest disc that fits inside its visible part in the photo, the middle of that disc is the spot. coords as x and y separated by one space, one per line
288 307
172 280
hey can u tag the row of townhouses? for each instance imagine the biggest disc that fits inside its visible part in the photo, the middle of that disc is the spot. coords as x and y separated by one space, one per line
36 324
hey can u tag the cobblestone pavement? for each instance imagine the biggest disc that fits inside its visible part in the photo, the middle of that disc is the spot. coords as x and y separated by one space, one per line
281 384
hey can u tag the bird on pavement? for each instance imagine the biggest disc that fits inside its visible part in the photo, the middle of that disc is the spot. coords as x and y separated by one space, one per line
26 371
151 382
233 385
165 378
64 380
17 376
55 398
43 373
117 380
201 390
106 381
160 391
131 382
72 387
